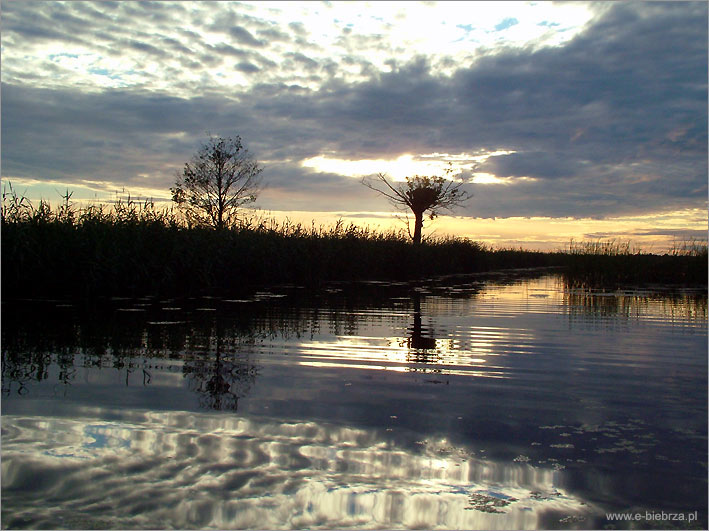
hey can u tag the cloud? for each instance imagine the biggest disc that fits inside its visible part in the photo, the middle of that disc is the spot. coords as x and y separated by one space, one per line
246 67
611 122
679 234
538 164
243 36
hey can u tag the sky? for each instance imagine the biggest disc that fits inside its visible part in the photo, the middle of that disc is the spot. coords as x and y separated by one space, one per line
583 120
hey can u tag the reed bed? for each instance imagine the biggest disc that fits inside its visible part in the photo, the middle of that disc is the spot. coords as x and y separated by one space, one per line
613 263
132 248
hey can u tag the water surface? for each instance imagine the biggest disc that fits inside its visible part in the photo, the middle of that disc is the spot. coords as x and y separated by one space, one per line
508 403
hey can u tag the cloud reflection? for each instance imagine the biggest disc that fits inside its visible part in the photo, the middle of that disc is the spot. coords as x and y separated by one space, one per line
177 469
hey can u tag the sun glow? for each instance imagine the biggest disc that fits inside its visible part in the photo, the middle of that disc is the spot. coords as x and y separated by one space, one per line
407 165
654 232
473 357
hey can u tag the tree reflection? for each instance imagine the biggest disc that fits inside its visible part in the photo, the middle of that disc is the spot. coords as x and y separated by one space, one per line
132 343
420 342
220 381
20 369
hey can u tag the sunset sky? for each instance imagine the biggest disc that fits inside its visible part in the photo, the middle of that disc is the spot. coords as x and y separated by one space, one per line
579 120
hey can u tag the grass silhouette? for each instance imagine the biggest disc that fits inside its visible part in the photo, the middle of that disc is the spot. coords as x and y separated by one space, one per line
132 248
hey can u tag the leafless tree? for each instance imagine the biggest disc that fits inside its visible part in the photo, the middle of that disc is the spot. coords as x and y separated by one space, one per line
420 194
221 177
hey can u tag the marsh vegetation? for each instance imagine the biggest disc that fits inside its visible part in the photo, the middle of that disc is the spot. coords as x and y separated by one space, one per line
135 248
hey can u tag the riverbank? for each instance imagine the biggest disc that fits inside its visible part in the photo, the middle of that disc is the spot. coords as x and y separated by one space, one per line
134 250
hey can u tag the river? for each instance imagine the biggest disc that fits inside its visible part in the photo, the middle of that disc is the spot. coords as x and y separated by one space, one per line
500 402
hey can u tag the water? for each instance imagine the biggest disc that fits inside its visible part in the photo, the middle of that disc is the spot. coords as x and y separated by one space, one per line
504 403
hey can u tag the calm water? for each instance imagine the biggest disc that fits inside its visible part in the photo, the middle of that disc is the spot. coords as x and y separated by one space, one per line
496 404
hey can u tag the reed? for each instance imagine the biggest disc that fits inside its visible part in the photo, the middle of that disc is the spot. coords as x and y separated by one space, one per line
612 263
132 248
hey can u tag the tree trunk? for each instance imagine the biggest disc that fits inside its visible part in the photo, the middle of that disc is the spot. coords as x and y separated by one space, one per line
418 225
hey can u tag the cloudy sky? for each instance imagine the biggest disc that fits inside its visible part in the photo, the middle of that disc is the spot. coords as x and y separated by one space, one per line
581 120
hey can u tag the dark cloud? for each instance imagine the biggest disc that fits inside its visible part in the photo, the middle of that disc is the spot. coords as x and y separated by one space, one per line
226 49
303 60
145 47
538 164
175 46
41 29
243 36
298 28
246 67
274 35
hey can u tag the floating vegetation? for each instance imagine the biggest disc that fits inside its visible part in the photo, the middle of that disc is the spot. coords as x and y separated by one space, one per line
572 519
488 502
628 437
539 496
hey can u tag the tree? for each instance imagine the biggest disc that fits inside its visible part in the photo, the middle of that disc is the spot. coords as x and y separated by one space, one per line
221 177
420 194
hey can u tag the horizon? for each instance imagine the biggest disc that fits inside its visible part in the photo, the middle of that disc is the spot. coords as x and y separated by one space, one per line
567 121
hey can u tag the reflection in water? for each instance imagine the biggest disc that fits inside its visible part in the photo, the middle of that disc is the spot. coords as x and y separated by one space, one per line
218 381
517 404
674 308
210 471
418 339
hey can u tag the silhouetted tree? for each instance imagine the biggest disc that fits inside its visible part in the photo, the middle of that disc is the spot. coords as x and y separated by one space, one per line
221 177
420 194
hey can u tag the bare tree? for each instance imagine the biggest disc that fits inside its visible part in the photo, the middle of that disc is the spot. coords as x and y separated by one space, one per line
420 194
221 177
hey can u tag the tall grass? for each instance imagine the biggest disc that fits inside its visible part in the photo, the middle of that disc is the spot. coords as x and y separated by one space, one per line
612 263
133 248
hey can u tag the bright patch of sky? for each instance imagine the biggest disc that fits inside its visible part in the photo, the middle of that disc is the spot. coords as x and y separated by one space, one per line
462 166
